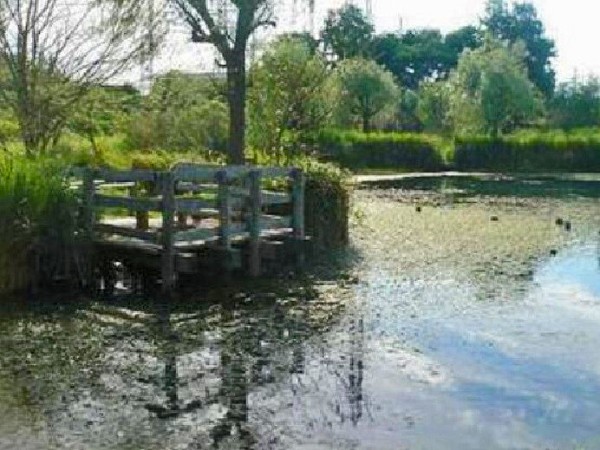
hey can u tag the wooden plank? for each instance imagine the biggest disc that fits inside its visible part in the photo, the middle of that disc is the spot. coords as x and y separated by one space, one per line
276 198
109 185
268 197
191 187
198 234
126 232
126 175
277 172
192 205
270 222
236 172
239 231
195 172
254 223
168 227
133 204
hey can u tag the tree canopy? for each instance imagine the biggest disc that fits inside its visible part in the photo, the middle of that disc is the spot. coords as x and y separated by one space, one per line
520 22
347 33
419 55
366 90
287 93
490 90
576 104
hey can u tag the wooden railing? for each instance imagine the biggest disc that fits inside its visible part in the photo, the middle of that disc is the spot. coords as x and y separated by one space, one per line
191 206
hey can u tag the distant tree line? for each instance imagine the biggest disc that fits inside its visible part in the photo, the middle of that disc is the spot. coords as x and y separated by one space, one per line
492 78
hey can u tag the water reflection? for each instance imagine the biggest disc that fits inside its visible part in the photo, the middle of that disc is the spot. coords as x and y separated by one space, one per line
453 332
136 372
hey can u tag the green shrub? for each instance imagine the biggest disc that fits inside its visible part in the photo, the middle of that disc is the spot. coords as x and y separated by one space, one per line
9 130
399 151
327 196
553 151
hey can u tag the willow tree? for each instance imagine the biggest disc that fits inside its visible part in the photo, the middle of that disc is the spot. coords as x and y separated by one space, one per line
228 25
52 52
491 92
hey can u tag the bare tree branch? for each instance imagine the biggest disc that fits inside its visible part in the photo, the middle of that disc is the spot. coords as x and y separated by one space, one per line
55 50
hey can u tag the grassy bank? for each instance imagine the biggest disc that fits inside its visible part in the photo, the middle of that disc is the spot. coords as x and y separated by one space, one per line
531 151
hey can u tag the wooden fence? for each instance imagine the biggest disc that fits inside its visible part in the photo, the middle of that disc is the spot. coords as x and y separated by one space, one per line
180 212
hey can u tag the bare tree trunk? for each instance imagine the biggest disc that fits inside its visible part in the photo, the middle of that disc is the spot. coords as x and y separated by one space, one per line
366 123
236 82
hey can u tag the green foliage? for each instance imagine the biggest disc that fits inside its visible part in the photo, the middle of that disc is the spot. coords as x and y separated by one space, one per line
287 95
105 110
365 90
9 130
347 33
520 23
327 196
434 106
491 92
37 221
399 151
419 55
576 104
407 112
554 151
465 38
182 112
114 152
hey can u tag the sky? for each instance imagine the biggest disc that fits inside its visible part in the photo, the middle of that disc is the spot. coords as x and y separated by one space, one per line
573 24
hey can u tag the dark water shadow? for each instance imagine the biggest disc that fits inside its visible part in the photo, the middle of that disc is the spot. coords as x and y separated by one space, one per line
209 347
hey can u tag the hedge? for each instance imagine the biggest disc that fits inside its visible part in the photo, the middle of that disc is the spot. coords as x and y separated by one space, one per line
401 151
541 152
527 151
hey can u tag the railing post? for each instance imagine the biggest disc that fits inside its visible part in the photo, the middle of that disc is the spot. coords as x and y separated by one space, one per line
298 188
142 220
89 192
224 200
89 222
254 222
167 241
299 233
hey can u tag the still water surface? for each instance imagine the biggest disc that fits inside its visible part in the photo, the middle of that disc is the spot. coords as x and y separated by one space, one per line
472 324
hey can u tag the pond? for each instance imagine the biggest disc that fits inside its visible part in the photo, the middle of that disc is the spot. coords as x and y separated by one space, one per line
465 316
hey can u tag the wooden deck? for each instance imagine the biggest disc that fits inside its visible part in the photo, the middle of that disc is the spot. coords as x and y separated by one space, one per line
194 217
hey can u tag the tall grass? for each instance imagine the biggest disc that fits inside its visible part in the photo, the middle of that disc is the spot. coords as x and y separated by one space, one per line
37 222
